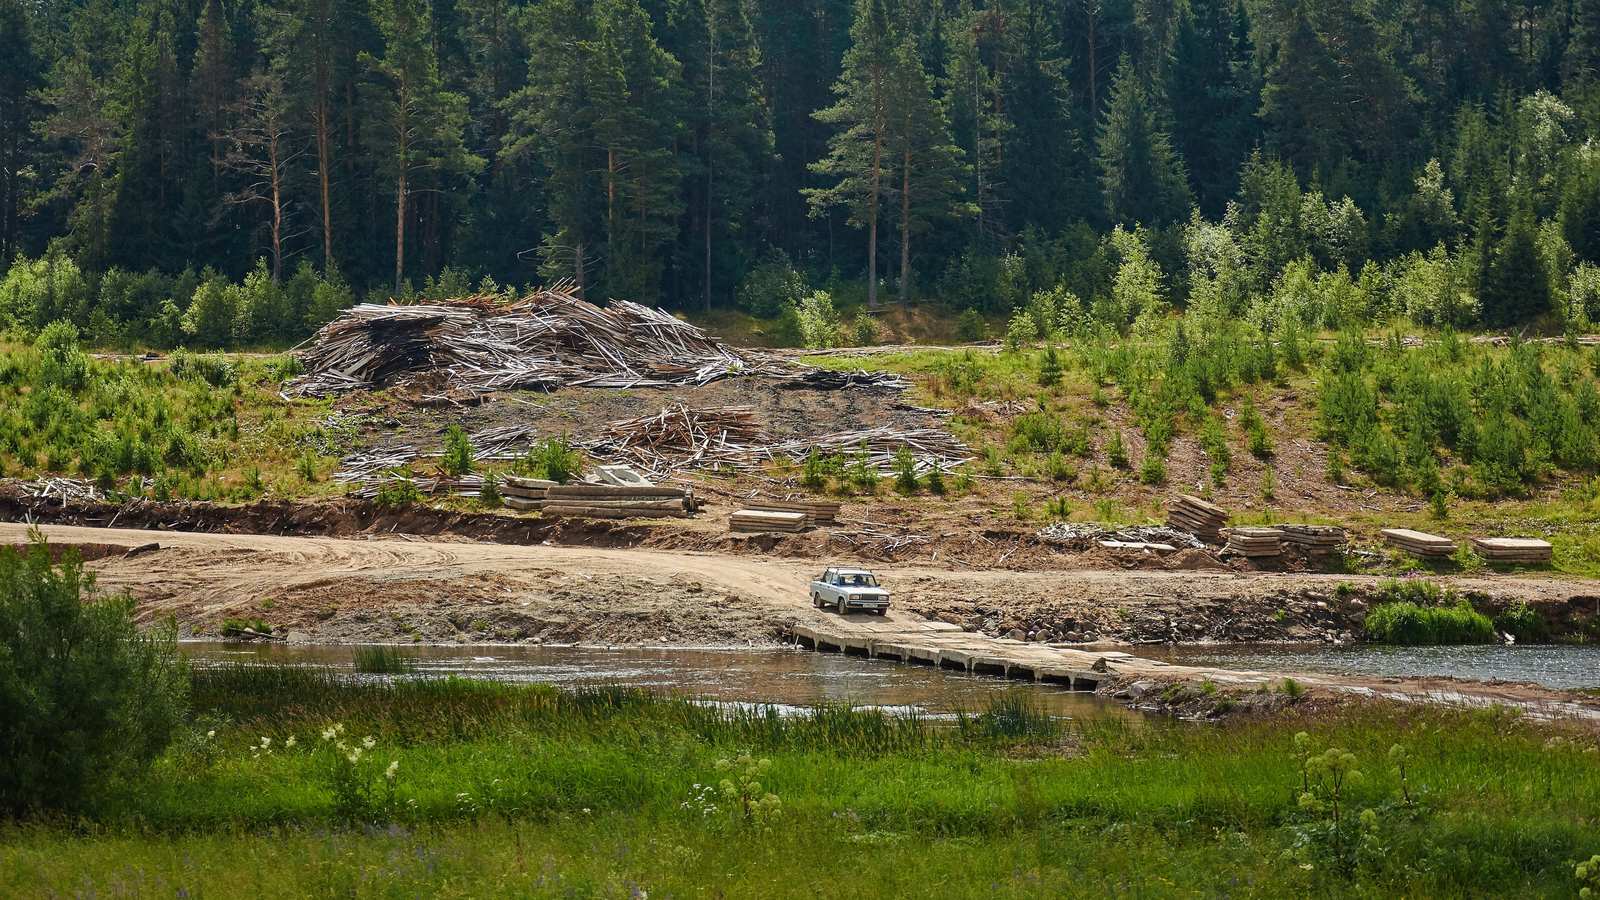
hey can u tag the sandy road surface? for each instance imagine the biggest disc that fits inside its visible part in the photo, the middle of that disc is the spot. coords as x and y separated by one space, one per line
397 588
332 589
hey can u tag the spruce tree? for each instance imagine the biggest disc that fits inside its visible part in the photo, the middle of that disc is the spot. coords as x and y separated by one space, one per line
929 168
21 77
1142 179
636 123
1514 287
552 123
729 135
858 157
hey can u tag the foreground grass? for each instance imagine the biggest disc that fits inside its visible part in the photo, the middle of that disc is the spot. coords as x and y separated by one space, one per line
533 792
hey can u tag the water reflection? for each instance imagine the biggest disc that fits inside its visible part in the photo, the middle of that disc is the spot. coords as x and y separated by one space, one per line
791 678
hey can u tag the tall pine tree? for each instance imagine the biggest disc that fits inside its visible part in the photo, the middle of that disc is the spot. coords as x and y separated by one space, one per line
1142 179
859 152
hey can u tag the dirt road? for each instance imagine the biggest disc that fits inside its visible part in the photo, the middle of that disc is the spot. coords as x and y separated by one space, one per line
332 590
397 588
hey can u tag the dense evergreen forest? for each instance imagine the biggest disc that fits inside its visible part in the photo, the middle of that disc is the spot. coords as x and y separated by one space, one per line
232 172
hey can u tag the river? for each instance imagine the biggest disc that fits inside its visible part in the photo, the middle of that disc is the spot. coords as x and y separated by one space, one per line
786 678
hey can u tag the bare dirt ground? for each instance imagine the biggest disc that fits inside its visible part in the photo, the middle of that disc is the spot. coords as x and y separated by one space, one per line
443 590
438 591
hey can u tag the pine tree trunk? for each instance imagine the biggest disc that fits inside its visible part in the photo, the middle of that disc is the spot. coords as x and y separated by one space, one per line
577 269
400 230
323 162
277 210
905 229
872 221
711 105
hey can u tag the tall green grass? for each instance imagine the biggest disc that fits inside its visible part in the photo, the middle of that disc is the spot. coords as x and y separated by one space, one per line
1412 625
587 792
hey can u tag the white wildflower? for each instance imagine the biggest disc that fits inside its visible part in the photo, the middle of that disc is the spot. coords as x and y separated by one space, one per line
328 734
368 742
394 768
290 742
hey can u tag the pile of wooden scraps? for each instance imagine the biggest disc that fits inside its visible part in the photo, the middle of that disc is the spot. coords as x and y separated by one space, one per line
370 468
679 437
730 439
1256 543
66 490
547 340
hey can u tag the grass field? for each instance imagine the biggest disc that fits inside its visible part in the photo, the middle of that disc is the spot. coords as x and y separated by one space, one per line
492 790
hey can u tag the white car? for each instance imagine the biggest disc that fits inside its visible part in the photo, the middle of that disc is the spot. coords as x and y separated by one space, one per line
849 589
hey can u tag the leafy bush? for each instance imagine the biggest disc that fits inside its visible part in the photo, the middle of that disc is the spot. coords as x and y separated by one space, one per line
85 697
773 287
819 322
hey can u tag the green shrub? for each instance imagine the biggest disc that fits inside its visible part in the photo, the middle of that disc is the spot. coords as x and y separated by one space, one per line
211 368
971 327
1050 367
1038 432
1116 451
1409 624
554 459
1153 469
86 699
1522 622
489 496
905 471
397 491
457 452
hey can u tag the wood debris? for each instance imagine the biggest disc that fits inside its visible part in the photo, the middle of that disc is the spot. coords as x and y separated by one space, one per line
546 340
729 439
66 490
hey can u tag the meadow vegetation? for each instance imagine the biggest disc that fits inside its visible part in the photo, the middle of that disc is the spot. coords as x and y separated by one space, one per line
453 782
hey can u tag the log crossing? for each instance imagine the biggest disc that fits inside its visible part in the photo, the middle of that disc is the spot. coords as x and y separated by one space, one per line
946 646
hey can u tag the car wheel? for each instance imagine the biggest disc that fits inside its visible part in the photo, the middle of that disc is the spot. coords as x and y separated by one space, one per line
883 611
843 607
816 601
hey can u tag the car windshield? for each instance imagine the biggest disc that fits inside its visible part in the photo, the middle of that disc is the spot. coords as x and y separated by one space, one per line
861 579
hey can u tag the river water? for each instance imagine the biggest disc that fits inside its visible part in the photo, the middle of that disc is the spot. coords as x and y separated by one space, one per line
784 678
795 679
1556 666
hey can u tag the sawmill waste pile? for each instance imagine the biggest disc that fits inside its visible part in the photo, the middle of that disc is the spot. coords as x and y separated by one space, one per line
544 341
729 439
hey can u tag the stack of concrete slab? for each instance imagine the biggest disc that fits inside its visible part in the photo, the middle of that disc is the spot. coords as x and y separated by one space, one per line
598 501
1419 543
767 520
1256 543
1313 539
524 493
1199 518
1513 550
817 512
